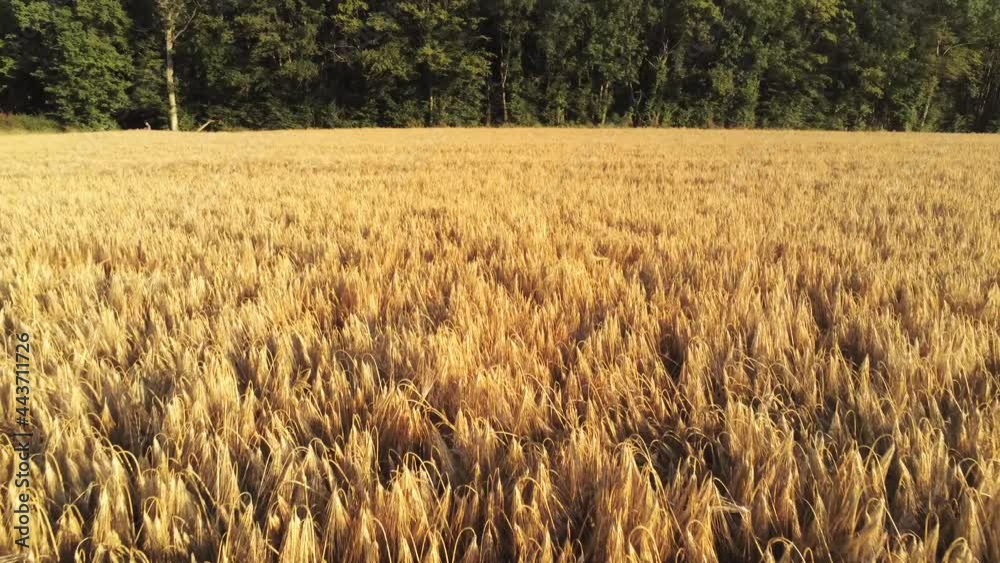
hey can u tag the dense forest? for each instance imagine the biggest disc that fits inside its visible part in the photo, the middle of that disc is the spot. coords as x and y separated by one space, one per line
837 64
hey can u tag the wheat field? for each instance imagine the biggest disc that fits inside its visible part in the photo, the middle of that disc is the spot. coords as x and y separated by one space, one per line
504 345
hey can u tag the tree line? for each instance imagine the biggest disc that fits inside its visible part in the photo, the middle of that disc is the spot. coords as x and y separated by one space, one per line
835 64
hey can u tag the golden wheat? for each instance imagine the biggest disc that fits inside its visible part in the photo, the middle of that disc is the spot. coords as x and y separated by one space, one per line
531 345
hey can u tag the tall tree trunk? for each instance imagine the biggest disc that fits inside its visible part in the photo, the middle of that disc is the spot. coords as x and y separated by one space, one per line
504 73
927 105
988 99
603 101
503 98
171 87
933 85
488 117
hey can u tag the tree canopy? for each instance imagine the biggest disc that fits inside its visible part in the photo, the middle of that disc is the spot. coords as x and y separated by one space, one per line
836 64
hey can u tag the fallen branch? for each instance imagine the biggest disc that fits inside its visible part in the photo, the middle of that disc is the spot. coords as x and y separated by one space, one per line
204 125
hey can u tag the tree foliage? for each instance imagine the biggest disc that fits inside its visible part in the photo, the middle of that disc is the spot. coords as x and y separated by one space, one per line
76 54
840 64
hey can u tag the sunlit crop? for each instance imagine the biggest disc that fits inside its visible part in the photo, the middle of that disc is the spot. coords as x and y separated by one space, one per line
497 345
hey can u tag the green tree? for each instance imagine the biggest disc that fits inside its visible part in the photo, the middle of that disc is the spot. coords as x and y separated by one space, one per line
979 96
281 58
613 51
84 62
417 51
561 40
176 18
372 43
843 64
6 61
450 63
796 74
682 49
508 24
